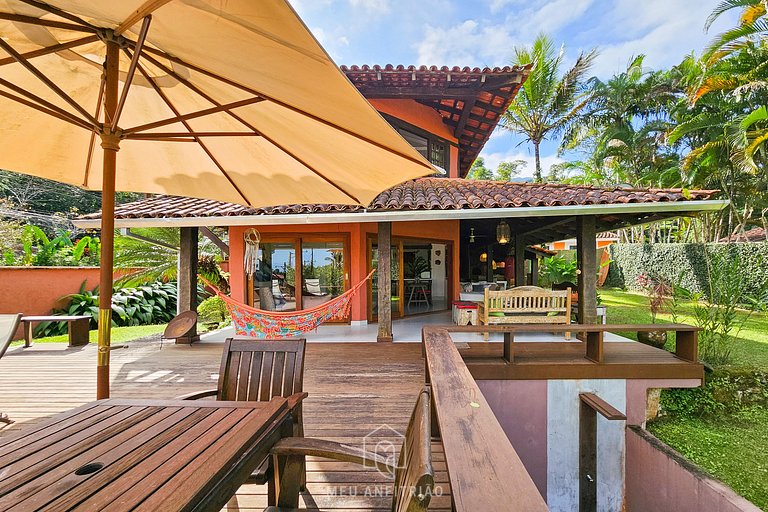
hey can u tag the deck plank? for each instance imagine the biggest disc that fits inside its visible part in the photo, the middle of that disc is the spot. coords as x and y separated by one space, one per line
354 389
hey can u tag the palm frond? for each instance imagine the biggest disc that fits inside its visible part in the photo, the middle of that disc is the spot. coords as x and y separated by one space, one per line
725 6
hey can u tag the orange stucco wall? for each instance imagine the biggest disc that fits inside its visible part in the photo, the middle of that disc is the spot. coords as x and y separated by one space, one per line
424 117
37 290
439 231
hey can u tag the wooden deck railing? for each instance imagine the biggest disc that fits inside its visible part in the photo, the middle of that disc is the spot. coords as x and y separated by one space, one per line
484 470
686 336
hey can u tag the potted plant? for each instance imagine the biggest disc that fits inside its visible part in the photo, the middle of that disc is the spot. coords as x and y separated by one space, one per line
658 291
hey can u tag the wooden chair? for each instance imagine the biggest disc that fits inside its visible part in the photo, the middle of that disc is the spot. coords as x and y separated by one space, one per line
259 370
414 475
8 326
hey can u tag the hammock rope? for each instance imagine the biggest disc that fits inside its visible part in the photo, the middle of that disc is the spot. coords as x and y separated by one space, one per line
258 323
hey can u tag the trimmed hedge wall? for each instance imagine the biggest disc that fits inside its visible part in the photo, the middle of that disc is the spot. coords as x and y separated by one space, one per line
726 390
669 260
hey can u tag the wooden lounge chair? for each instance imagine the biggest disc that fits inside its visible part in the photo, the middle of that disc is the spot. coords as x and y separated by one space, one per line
8 326
259 370
414 475
313 287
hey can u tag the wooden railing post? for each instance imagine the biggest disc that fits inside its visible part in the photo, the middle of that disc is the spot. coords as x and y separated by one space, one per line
687 345
385 282
591 406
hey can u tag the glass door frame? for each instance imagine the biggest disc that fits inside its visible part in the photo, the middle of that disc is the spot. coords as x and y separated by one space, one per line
297 240
399 242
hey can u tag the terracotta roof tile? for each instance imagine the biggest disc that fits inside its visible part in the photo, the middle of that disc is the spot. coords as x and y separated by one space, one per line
421 194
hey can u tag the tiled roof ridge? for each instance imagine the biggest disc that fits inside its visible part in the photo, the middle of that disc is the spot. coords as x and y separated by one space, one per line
433 69
422 194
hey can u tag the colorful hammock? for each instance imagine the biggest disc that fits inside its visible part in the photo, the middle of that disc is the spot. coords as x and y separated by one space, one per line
258 323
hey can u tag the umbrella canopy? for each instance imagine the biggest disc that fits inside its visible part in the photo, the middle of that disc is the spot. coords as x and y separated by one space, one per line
296 130
233 101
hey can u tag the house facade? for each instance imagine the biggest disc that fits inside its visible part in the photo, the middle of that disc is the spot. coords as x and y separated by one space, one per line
443 232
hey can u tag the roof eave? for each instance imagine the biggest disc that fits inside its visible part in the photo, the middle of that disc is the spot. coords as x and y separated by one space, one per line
671 207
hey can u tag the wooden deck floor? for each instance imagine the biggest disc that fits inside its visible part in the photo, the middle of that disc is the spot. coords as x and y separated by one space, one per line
358 393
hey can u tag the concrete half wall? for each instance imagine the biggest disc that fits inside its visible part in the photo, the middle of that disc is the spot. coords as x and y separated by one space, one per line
659 479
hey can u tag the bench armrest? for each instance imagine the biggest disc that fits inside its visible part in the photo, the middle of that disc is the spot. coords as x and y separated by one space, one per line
331 450
197 395
296 399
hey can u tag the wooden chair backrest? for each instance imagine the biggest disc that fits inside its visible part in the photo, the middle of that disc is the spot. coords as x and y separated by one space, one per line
8 326
259 370
528 299
414 476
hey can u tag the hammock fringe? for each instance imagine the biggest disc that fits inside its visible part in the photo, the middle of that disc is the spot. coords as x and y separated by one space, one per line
258 323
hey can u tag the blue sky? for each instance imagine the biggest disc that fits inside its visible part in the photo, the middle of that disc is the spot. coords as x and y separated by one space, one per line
484 32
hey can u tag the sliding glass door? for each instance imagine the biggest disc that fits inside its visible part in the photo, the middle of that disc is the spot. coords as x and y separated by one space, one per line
299 273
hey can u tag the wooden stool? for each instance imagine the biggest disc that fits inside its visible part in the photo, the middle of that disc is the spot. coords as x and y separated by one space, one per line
464 313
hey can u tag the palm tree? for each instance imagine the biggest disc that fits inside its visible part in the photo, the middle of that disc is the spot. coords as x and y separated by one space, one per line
752 27
548 101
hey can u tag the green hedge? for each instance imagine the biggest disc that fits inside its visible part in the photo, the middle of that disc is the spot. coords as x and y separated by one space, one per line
670 260
726 390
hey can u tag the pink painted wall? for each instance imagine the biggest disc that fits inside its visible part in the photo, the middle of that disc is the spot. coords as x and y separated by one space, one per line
660 479
521 409
637 395
37 290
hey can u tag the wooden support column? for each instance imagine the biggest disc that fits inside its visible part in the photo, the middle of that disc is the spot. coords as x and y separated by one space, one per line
187 278
489 264
586 256
535 271
385 282
520 261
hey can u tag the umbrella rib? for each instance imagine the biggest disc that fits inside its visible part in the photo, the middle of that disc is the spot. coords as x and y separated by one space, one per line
205 149
192 115
92 142
47 81
42 109
58 12
51 49
131 70
43 105
165 135
142 12
248 125
285 105
45 23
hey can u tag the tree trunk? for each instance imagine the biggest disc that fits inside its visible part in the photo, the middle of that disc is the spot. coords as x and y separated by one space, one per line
537 172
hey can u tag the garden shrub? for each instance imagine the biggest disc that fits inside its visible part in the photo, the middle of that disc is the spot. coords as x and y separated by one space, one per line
154 303
212 311
725 390
687 262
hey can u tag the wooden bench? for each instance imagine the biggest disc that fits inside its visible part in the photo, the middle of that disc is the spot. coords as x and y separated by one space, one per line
78 327
526 305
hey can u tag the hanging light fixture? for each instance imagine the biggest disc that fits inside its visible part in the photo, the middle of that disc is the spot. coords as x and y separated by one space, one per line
483 257
503 233
471 235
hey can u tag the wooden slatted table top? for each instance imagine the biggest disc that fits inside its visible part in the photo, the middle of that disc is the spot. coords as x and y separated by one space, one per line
153 455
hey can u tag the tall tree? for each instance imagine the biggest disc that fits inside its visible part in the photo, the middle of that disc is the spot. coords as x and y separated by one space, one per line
548 102
479 171
509 169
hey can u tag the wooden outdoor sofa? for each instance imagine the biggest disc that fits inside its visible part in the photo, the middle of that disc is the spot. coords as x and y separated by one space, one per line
525 305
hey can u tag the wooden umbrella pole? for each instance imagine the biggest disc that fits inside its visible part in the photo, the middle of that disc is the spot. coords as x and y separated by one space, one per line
110 143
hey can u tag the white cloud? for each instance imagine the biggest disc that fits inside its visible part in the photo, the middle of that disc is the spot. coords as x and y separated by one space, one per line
378 6
465 44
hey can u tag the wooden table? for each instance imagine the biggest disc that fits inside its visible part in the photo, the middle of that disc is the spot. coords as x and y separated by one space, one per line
77 326
153 455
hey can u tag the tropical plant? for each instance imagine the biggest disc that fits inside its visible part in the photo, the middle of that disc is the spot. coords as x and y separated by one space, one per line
752 27
658 290
212 312
557 270
548 102
507 170
37 249
154 303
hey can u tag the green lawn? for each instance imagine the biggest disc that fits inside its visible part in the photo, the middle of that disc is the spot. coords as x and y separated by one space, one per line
750 349
732 448
119 334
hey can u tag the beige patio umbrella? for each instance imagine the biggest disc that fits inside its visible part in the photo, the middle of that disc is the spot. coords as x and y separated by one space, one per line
233 101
